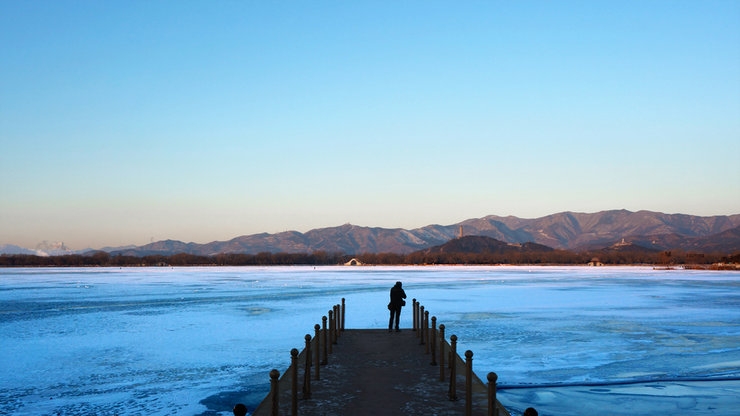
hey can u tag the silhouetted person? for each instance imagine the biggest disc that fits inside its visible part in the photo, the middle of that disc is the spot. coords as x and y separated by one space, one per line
397 302
529 412
240 410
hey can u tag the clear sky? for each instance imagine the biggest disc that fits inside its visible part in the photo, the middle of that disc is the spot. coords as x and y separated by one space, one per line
125 122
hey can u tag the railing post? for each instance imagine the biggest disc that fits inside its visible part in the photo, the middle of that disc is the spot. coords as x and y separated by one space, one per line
333 324
453 368
337 317
419 313
413 309
421 325
344 310
441 352
317 333
433 340
468 383
325 361
294 382
307 372
492 403
426 331
331 330
336 323
275 391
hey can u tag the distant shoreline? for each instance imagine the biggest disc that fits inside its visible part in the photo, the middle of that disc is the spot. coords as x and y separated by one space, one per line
103 260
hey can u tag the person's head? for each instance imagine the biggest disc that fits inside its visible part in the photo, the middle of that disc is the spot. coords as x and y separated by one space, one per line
398 284
240 410
529 412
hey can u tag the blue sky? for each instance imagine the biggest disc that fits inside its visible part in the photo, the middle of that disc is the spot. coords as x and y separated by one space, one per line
126 122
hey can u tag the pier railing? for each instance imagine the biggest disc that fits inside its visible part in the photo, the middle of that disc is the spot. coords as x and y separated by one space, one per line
318 350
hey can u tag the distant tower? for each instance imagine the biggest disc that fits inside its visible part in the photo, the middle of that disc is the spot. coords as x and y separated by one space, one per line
461 232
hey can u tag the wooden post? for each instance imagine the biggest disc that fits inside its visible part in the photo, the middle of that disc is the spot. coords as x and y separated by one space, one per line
275 391
331 330
337 317
307 371
426 331
453 368
468 383
441 352
421 325
339 320
294 382
433 340
335 329
418 318
413 310
344 310
325 361
333 324
317 333
492 402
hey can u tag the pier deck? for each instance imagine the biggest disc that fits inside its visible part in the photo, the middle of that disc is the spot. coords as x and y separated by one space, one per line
374 372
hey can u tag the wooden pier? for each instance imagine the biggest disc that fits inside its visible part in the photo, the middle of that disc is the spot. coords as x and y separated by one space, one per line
363 372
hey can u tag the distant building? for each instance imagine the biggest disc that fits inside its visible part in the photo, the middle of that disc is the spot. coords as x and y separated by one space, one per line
622 243
595 262
353 262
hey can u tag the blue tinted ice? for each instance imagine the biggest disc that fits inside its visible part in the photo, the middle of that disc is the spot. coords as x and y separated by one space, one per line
566 340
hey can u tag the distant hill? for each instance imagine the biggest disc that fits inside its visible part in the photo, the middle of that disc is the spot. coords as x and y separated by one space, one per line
476 244
43 249
565 231
579 231
726 241
651 231
11 249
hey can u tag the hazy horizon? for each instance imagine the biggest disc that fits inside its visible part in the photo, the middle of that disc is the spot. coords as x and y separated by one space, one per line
131 122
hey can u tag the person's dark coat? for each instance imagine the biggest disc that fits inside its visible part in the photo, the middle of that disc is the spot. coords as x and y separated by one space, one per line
397 296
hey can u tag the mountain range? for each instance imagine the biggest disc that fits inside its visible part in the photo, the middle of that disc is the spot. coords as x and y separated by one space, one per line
566 230
44 248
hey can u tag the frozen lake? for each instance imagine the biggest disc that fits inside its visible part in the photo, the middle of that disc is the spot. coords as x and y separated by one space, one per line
194 341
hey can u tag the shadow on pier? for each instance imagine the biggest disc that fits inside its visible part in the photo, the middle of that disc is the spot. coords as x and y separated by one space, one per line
361 372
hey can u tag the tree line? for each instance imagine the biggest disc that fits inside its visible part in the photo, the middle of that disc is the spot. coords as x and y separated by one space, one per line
103 259
322 258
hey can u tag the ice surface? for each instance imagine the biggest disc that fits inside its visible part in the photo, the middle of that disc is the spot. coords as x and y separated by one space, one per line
194 341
